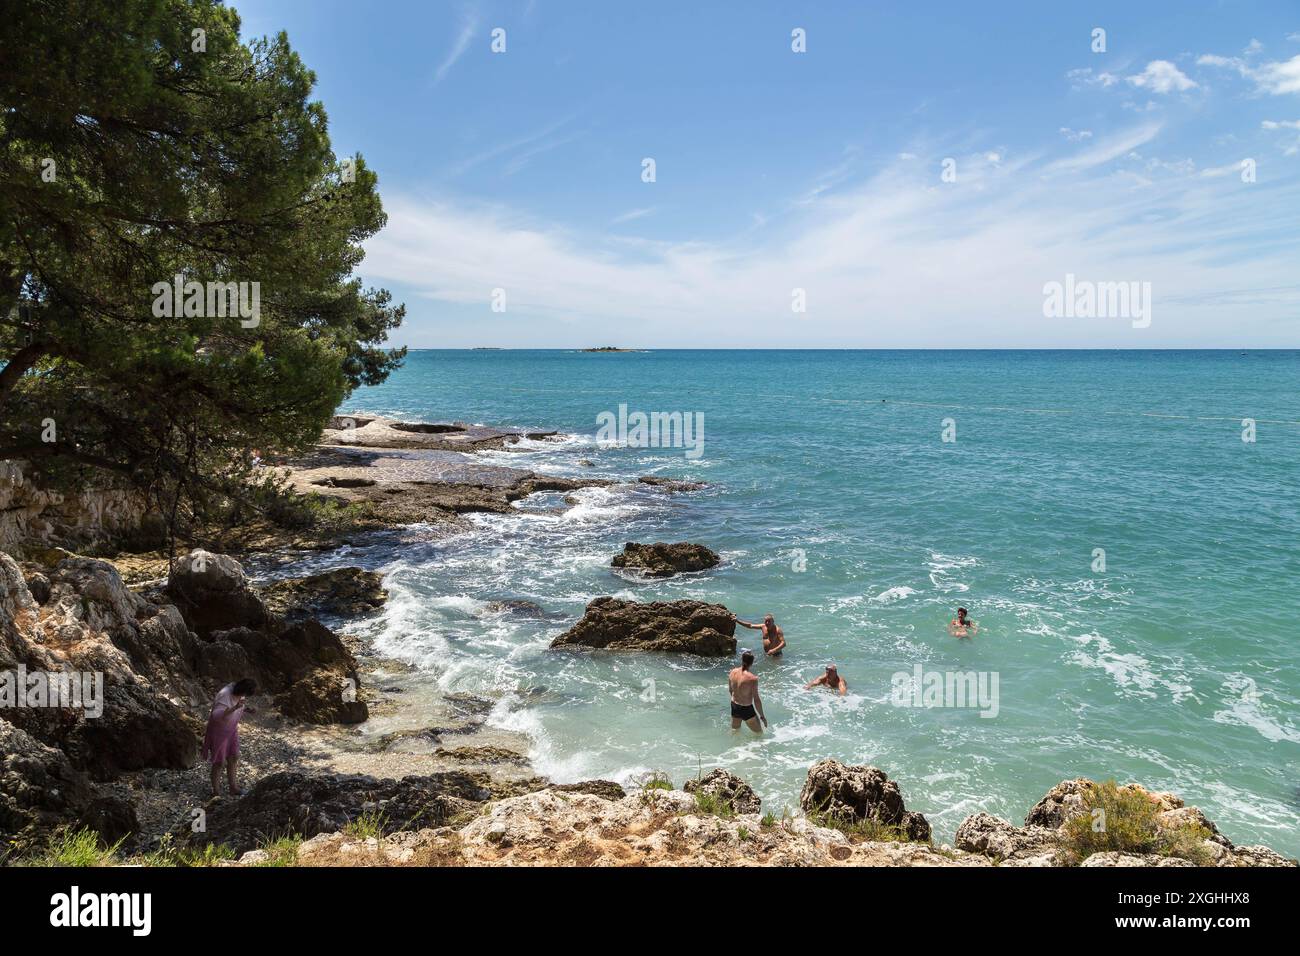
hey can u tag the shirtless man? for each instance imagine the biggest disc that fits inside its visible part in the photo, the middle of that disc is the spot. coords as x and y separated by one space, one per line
831 679
744 694
962 626
773 636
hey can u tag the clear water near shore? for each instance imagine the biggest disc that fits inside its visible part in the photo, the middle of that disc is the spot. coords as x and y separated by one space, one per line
1177 667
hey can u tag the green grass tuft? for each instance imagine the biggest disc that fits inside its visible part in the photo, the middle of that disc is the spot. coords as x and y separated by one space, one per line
711 805
281 851
1125 820
80 847
372 824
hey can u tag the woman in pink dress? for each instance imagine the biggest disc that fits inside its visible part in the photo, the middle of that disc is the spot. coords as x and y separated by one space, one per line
221 742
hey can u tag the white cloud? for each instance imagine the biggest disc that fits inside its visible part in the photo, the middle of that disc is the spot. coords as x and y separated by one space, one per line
468 27
1161 76
1291 145
1085 77
1277 78
895 260
1076 135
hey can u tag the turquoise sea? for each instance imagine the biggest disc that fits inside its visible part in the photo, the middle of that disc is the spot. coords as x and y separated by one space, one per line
838 508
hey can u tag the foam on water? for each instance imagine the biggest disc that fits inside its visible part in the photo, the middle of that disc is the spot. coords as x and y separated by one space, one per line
1138 673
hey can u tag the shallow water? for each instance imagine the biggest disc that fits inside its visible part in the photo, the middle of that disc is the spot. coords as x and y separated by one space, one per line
1175 667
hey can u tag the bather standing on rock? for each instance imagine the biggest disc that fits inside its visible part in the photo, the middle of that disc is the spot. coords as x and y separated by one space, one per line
773 636
221 741
744 694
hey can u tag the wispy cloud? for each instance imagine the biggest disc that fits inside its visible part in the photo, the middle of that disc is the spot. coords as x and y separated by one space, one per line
897 259
1275 78
468 27
630 215
1111 148
520 150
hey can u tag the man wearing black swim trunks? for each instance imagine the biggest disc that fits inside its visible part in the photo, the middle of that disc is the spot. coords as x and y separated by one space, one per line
746 705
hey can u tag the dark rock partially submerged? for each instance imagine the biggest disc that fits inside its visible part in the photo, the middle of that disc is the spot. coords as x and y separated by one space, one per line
852 794
672 484
663 560
346 592
690 627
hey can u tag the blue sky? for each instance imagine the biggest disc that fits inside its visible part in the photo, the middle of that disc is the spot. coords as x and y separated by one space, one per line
819 171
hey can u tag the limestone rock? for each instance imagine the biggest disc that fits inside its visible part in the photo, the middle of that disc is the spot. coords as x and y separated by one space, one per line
605 789
859 793
213 593
728 789
1000 840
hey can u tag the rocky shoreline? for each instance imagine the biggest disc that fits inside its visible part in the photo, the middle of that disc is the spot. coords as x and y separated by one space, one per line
439 788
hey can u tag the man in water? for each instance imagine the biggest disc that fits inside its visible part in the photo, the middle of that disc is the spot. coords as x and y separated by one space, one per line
773 636
962 626
831 679
744 694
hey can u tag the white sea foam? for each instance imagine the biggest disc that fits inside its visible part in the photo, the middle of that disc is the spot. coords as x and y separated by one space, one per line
894 594
1245 707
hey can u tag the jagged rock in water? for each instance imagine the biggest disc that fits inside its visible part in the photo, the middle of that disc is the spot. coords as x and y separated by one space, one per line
691 627
859 793
662 560
727 789
346 592
671 484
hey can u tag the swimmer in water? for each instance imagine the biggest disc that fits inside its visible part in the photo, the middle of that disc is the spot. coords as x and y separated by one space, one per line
962 626
831 679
